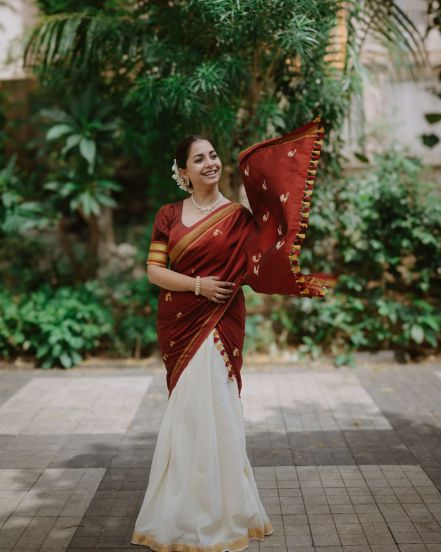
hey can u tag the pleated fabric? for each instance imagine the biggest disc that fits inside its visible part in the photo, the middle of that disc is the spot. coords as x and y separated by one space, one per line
201 494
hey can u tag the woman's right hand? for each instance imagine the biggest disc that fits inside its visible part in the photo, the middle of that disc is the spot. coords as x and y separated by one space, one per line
216 290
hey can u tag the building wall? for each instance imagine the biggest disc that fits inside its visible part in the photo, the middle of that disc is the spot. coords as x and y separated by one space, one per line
16 18
394 103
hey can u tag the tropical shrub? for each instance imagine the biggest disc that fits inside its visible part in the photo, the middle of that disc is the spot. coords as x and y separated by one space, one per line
134 304
229 72
381 233
56 326
60 327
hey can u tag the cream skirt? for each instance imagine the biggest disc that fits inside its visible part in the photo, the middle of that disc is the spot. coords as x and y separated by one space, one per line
201 495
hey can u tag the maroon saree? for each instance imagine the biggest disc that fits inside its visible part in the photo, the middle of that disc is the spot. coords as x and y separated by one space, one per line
260 249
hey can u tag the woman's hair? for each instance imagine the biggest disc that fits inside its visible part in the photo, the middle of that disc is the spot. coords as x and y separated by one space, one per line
183 148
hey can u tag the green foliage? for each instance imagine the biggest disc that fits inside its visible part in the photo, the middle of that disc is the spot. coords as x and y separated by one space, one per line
259 334
86 126
231 72
59 327
20 210
87 195
56 326
24 264
82 138
3 134
386 249
59 6
134 305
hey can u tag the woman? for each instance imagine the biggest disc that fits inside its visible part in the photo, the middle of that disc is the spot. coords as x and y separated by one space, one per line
202 495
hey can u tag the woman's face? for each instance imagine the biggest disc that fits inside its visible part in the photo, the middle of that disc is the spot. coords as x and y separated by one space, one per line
204 167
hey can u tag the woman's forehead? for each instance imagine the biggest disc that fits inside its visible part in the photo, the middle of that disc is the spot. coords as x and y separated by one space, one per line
200 147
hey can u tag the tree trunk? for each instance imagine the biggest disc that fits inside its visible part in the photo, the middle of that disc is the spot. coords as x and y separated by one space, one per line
91 264
68 250
106 242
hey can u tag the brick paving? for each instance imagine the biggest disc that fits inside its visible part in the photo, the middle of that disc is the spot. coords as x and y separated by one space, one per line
346 460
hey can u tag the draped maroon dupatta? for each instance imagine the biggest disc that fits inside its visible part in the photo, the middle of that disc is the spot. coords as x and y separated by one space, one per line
260 249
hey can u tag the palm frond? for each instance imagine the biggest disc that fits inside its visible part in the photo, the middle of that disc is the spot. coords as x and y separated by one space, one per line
382 20
85 40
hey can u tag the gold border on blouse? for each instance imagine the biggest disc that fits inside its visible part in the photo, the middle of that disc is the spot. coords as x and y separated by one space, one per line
158 245
158 253
157 256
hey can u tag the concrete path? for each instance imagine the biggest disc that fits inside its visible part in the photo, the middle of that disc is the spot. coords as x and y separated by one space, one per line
346 460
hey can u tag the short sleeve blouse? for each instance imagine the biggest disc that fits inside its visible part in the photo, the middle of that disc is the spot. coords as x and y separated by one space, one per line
158 252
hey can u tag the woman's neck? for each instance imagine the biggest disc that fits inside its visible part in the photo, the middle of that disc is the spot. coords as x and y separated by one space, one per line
206 197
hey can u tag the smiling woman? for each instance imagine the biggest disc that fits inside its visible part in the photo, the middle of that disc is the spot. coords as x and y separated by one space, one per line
202 495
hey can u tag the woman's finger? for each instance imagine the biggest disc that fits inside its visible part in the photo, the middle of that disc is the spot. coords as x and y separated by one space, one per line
223 295
228 285
225 289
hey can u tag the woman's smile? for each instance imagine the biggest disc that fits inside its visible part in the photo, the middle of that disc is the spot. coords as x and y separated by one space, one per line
210 173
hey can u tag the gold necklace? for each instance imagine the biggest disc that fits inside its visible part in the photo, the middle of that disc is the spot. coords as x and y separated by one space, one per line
207 209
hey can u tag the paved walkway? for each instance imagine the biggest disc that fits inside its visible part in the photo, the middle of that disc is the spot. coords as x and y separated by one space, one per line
345 459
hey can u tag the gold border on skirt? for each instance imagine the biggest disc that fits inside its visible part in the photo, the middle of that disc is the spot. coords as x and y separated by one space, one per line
234 546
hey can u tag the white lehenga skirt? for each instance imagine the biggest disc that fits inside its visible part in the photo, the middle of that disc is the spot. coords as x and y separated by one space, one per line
202 495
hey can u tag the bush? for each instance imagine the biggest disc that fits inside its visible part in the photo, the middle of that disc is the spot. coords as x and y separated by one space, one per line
60 326
134 305
56 326
381 233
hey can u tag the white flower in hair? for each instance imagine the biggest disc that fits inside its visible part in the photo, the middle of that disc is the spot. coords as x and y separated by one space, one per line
181 181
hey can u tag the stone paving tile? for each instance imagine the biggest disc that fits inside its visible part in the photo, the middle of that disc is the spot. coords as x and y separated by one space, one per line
409 396
344 461
317 418
305 401
12 381
44 509
75 405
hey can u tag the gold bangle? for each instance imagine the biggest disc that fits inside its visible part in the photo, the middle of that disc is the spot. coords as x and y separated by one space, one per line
198 285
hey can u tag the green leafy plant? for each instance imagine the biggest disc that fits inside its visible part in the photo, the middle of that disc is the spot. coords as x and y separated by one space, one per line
81 182
57 327
19 213
88 127
385 241
246 77
134 306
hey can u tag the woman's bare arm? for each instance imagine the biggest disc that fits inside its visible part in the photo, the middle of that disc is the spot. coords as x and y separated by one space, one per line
169 279
211 286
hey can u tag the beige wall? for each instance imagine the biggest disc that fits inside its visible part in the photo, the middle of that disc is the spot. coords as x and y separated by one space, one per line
394 104
16 17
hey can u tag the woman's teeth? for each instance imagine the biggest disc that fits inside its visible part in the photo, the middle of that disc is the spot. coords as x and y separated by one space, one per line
210 173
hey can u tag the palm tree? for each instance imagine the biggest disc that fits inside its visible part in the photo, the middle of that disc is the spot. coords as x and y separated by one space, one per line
200 47
236 70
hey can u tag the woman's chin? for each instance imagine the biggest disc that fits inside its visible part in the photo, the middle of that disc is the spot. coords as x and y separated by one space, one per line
207 184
